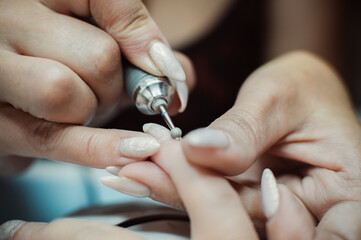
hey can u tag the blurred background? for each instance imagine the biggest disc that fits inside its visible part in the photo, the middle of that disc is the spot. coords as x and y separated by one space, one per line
226 40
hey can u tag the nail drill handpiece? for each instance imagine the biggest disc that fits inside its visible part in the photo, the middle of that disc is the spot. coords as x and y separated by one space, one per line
150 94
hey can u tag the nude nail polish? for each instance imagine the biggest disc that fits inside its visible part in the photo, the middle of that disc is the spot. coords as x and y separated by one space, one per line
270 194
157 131
182 90
165 60
138 147
126 185
207 137
113 170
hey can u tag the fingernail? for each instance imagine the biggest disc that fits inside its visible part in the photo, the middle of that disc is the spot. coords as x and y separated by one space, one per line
165 60
126 186
9 228
138 147
270 195
157 131
113 170
182 90
207 137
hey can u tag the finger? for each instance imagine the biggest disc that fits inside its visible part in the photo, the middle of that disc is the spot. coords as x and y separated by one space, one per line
342 221
285 213
27 136
155 183
139 38
45 89
260 116
72 229
214 207
87 50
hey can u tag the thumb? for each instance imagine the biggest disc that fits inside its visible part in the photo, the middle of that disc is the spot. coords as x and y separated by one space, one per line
138 36
272 103
140 40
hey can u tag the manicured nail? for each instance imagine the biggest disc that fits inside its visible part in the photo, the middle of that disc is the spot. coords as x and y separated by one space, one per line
126 186
182 90
207 137
113 170
165 60
270 194
157 131
9 228
138 147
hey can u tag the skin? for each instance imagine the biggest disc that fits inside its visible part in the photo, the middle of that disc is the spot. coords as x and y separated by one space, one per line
316 155
55 79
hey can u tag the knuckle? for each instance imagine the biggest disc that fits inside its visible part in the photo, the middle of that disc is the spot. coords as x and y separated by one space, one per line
58 91
136 19
249 125
94 146
105 58
45 135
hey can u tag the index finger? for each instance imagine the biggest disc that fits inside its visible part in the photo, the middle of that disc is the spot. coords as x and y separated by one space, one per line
27 136
215 209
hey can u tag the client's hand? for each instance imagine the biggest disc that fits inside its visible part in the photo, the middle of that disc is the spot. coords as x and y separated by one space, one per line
214 207
293 108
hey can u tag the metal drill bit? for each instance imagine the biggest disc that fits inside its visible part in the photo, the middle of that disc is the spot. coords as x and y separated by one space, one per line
166 117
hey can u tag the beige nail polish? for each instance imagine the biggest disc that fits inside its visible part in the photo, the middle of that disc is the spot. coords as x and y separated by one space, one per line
182 90
270 194
126 186
113 170
165 60
138 147
207 137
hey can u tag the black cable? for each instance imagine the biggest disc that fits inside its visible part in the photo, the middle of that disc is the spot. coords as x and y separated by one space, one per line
152 218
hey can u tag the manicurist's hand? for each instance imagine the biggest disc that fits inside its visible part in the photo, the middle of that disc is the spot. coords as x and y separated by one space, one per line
294 116
57 72
64 229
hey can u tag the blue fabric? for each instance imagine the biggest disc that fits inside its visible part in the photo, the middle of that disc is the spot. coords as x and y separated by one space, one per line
49 190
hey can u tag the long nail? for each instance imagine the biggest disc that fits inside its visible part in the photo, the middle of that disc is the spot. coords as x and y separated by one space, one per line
157 131
207 137
182 90
9 228
126 186
138 147
113 170
165 60
270 194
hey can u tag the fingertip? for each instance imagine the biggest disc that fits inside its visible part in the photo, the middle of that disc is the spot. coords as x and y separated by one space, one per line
157 131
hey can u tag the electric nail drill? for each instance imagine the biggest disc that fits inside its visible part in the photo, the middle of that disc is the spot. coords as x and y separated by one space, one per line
151 94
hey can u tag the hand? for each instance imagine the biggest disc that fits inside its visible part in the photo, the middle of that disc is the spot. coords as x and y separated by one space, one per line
69 229
214 207
293 108
57 70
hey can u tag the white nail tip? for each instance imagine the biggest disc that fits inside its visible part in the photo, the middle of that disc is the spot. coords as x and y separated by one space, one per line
113 170
165 60
126 186
207 137
270 194
182 90
157 131
138 147
9 228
